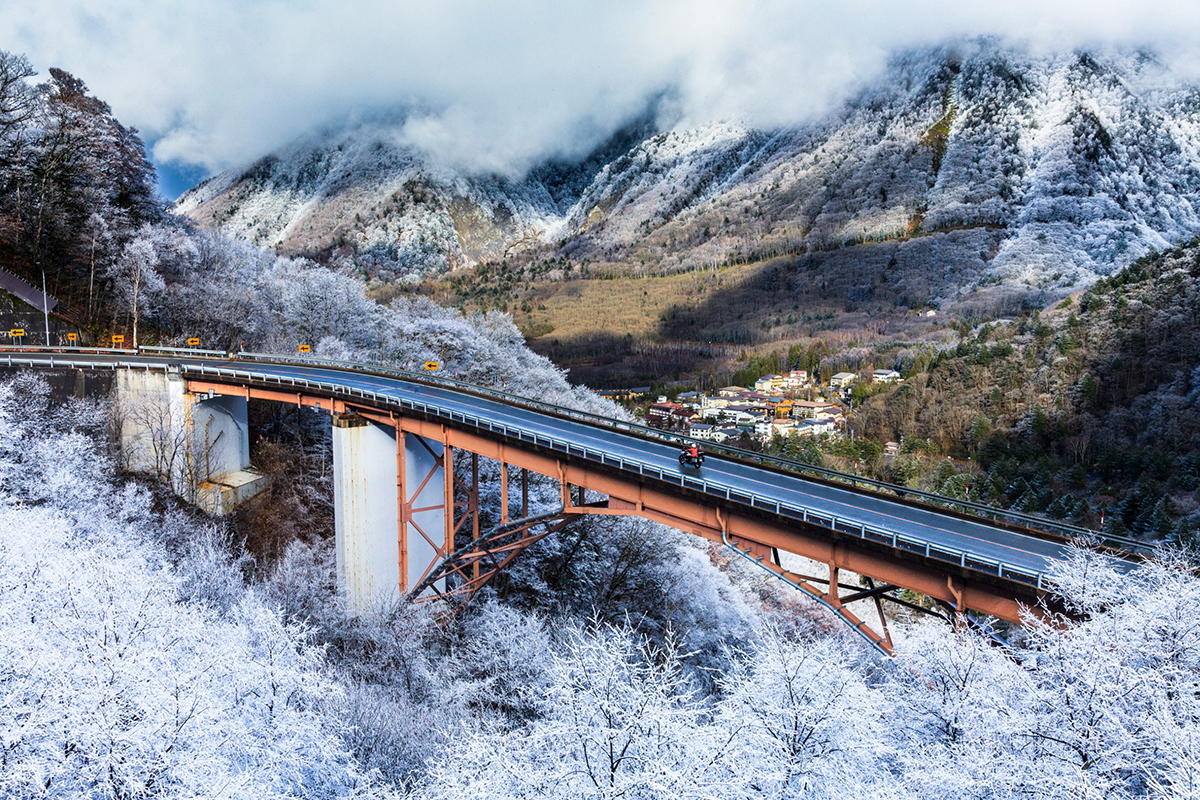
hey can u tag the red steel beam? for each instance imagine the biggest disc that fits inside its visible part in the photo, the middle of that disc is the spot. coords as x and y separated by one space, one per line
696 515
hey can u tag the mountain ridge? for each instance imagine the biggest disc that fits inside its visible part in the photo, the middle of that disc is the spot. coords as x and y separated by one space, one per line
975 170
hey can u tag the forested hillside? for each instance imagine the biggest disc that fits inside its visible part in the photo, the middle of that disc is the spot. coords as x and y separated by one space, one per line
1090 407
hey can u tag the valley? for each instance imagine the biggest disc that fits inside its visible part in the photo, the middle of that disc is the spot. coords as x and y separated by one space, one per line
685 326
978 180
596 401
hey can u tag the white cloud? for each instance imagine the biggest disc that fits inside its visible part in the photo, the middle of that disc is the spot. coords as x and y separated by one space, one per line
504 83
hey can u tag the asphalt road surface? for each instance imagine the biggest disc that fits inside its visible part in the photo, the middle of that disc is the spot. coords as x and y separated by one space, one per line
979 539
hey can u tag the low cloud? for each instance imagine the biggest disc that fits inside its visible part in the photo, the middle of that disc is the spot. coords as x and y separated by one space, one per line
497 86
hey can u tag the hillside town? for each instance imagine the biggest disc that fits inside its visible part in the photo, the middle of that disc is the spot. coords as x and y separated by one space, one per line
777 406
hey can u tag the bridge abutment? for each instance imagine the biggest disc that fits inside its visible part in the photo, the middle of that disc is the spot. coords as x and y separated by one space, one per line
199 444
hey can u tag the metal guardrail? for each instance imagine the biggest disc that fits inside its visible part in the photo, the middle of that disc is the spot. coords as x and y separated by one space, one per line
184 351
8 348
1022 519
898 541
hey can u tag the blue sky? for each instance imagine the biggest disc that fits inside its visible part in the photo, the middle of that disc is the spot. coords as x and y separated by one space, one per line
174 179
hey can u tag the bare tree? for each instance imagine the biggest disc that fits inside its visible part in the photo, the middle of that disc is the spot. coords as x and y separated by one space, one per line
136 279
154 442
18 100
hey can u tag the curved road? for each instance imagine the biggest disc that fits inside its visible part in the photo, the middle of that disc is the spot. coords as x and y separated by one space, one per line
1028 555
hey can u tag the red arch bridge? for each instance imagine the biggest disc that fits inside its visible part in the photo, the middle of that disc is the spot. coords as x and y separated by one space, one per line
408 522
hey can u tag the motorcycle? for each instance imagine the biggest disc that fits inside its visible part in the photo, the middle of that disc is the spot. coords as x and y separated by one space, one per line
691 457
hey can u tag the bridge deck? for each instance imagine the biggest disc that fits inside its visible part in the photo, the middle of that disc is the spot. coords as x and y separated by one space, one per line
1019 555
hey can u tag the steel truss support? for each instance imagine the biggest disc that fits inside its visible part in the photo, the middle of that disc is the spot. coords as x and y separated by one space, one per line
830 597
479 558
437 505
469 568
833 599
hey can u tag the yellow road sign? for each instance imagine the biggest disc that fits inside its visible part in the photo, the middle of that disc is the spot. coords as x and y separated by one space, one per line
17 332
432 365
193 342
118 338
72 337
304 348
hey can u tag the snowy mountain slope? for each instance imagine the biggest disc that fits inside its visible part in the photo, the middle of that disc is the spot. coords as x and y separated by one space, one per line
1060 167
1081 163
361 190
358 190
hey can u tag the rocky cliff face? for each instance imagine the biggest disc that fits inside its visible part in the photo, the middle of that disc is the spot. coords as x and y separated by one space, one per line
962 171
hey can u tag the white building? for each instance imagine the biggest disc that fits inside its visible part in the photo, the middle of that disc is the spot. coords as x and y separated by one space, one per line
885 376
843 380
795 379
815 427
769 383
783 427
723 434
714 401
733 414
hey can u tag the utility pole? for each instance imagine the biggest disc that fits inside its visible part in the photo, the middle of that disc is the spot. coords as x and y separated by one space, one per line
45 307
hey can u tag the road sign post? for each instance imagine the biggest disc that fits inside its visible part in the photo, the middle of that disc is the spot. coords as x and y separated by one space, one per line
432 366
304 348
193 341
118 338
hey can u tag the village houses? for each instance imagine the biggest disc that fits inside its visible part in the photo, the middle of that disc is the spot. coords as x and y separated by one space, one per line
770 409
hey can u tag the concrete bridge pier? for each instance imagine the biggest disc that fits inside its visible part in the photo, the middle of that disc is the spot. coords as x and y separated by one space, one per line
200 444
391 496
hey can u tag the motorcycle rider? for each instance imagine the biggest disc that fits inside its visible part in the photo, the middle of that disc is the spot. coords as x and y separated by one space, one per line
691 456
